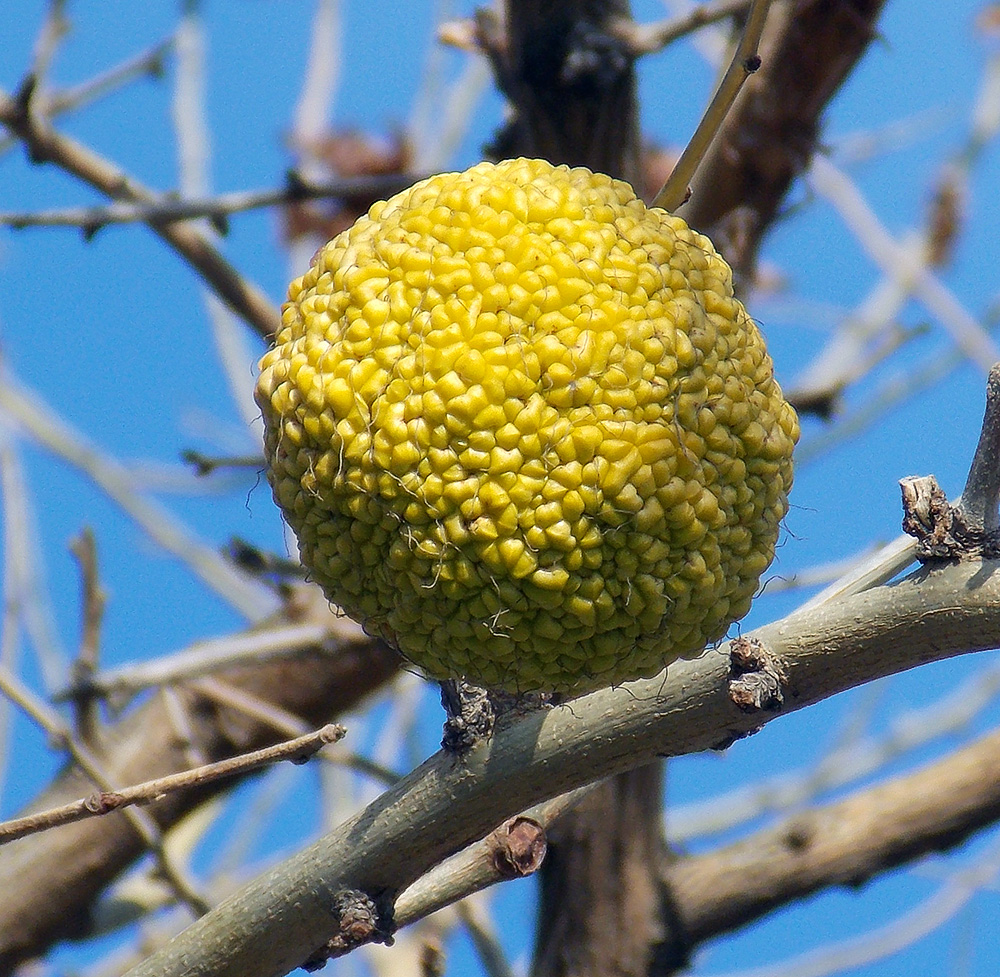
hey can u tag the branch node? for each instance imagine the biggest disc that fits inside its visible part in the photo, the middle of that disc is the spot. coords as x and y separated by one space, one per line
360 919
103 802
757 679
471 715
518 847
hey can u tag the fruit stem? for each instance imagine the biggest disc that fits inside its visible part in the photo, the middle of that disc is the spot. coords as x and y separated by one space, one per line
745 62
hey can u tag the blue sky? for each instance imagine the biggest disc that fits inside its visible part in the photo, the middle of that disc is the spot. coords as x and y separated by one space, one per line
112 334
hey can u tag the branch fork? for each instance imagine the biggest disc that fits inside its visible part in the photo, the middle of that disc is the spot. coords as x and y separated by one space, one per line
970 528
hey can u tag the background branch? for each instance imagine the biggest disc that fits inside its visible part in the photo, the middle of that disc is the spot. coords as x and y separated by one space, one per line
845 843
809 47
44 144
59 874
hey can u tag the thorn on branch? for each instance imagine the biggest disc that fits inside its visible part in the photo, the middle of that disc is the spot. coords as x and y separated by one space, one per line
264 565
206 464
25 94
758 680
360 919
969 529
518 847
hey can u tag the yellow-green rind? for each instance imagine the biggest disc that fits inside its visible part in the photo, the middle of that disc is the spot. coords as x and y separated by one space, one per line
523 430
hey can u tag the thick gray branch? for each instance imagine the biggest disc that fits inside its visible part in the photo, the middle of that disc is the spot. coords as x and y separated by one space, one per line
277 920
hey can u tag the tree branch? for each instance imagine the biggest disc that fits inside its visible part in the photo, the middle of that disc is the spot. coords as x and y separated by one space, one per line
44 144
275 922
745 62
845 843
106 801
59 874
352 191
808 49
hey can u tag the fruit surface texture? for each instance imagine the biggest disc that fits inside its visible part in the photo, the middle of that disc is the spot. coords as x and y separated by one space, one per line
523 430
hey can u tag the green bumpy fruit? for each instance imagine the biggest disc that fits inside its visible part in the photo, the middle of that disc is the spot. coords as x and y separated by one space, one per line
523 430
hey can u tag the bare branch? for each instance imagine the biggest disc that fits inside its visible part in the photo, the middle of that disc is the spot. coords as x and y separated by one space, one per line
745 62
350 190
44 144
844 843
443 804
807 50
84 548
649 38
104 802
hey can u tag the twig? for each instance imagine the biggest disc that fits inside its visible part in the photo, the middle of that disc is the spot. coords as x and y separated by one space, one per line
44 144
363 765
473 869
807 50
54 29
745 62
26 595
649 38
321 78
206 465
84 548
297 750
194 153
217 208
491 955
251 706
142 823
14 538
146 63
